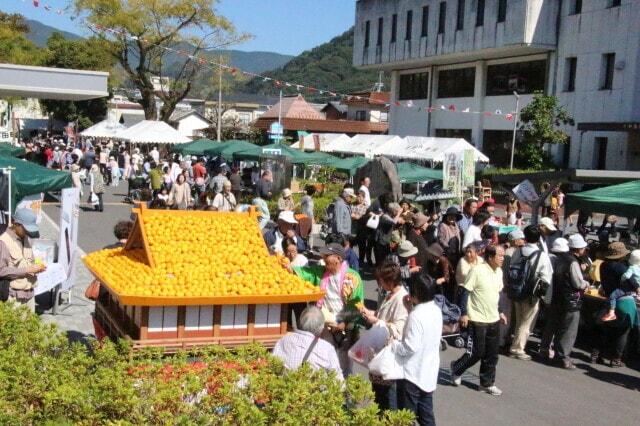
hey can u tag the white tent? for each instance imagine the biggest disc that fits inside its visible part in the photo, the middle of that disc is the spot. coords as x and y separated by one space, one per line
104 129
367 145
327 141
429 148
151 132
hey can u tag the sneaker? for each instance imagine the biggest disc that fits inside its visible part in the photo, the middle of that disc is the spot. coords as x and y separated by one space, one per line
595 356
567 364
521 356
616 363
609 316
456 380
491 390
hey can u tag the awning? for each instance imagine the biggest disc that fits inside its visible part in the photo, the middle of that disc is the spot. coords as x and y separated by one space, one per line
29 178
412 173
297 157
429 149
229 148
152 132
11 151
349 165
103 129
622 200
367 145
197 147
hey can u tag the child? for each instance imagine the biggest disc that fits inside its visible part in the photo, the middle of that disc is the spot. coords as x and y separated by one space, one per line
163 194
629 285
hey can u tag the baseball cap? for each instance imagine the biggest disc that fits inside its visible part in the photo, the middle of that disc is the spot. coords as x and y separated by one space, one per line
576 241
548 222
516 235
333 249
560 245
28 219
348 192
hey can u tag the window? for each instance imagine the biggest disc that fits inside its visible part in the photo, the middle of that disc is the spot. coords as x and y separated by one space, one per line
460 15
407 36
496 144
608 63
521 77
480 14
600 153
570 74
614 3
367 30
502 10
414 86
380 31
394 27
454 133
576 7
425 21
361 115
442 17
457 83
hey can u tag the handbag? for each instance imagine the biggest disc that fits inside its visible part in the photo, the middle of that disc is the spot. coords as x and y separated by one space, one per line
386 364
373 222
93 290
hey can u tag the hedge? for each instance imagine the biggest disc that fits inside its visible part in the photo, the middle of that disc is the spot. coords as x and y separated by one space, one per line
46 380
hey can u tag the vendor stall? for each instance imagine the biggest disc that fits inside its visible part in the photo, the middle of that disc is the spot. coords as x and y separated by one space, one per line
9 150
413 173
104 129
229 148
197 147
174 286
621 200
151 132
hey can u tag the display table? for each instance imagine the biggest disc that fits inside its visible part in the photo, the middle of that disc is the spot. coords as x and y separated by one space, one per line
194 278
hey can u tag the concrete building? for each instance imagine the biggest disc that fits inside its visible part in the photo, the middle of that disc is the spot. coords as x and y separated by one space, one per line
475 53
368 106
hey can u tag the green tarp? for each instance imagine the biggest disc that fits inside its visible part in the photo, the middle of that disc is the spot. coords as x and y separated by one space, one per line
621 200
349 165
297 156
10 150
29 178
229 148
197 147
412 173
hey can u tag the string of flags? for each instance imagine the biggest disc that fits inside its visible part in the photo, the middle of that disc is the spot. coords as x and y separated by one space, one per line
234 71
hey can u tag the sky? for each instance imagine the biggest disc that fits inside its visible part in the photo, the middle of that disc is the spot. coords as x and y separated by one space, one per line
282 26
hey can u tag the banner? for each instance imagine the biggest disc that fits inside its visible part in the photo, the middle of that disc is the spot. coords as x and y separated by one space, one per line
468 168
525 192
68 238
452 172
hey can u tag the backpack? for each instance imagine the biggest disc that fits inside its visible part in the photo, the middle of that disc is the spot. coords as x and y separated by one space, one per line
522 282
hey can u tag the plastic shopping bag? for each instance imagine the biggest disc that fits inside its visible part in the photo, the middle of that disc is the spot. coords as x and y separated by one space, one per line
369 343
94 199
387 365
373 221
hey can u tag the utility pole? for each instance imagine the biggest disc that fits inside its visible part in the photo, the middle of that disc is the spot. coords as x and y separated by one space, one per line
515 127
219 124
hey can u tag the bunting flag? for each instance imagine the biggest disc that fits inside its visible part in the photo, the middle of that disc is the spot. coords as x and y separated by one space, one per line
36 3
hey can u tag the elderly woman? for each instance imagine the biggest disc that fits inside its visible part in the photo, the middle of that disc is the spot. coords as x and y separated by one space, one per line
344 291
388 223
471 258
290 250
439 268
96 182
285 202
305 345
391 314
225 201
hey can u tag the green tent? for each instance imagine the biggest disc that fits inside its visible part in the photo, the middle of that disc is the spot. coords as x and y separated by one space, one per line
229 148
197 147
412 173
622 200
349 165
297 156
29 178
11 151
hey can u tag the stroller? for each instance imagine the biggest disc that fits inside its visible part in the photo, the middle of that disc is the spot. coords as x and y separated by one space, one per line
450 323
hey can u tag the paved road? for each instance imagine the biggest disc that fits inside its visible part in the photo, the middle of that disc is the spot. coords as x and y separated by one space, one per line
534 394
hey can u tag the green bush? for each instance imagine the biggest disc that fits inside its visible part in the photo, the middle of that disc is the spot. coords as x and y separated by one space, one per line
46 380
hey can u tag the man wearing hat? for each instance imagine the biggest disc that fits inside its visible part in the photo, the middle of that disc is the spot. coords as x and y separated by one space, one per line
285 229
285 202
343 291
17 265
449 235
549 232
563 316
341 223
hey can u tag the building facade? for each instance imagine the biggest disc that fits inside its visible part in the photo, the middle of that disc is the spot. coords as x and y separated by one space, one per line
476 53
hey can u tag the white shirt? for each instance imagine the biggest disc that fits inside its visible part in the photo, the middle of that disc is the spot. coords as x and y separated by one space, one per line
292 347
155 155
544 271
299 260
473 234
419 350
367 195
333 298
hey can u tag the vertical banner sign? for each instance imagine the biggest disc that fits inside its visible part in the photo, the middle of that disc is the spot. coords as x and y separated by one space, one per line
68 239
468 168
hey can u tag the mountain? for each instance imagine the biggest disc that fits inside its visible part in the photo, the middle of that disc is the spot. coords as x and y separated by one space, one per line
328 66
39 33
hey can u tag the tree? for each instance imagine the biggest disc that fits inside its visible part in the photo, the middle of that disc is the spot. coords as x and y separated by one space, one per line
540 121
143 30
83 54
15 48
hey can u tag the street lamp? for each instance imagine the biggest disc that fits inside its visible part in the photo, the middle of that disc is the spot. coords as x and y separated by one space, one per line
515 127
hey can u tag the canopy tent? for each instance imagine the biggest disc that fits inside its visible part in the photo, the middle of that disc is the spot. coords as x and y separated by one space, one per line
29 178
297 156
103 129
429 148
368 145
326 140
622 200
412 173
11 151
229 148
151 132
197 147
349 165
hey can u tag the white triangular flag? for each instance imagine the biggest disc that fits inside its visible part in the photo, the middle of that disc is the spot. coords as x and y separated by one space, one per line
498 112
442 107
465 110
410 104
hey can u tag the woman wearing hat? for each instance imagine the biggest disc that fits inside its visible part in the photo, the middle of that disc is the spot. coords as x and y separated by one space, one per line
285 202
449 235
440 269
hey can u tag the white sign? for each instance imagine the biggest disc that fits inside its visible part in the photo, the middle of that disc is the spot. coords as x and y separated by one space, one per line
68 238
276 129
34 203
51 277
525 191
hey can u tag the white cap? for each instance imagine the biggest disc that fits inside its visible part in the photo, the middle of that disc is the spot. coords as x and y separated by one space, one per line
577 242
287 216
634 259
548 222
560 245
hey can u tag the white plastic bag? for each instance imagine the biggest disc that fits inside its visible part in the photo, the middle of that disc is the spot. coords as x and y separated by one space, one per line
373 222
94 199
369 343
387 365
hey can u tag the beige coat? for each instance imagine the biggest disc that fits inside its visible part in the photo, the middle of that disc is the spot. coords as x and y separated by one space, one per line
20 256
180 196
394 314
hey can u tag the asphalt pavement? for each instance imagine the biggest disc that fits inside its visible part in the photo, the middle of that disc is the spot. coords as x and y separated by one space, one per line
534 393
